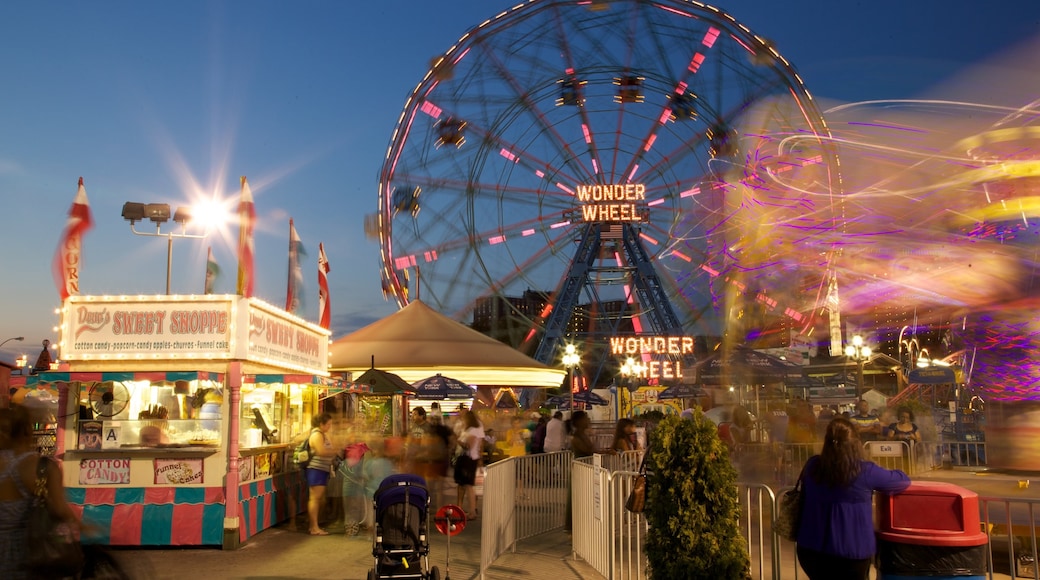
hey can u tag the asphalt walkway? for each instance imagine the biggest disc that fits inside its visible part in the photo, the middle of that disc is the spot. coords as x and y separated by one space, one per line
284 553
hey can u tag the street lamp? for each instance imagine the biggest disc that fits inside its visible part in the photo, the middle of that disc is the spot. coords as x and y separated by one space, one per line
571 358
859 352
159 213
18 338
630 369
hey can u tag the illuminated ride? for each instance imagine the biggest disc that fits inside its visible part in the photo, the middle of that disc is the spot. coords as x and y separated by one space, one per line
944 223
582 170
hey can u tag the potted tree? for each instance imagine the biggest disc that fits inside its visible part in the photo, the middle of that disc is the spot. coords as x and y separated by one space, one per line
693 507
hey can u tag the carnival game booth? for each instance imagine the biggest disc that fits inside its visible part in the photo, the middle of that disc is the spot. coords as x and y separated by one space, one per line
177 415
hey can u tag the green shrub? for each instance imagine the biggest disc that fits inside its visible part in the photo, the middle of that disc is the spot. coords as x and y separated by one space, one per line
693 507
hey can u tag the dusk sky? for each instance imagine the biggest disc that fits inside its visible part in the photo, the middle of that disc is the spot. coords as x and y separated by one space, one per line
172 102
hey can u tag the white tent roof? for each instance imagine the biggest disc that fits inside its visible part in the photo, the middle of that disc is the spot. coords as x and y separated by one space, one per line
417 342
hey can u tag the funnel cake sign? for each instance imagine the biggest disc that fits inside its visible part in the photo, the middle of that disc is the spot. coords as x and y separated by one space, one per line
120 328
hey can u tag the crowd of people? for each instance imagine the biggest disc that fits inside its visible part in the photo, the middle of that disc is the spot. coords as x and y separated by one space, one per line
349 458
835 538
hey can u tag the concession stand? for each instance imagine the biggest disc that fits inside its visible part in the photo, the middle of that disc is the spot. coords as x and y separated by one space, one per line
176 415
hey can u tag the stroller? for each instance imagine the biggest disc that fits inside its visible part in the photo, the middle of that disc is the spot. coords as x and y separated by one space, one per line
401 546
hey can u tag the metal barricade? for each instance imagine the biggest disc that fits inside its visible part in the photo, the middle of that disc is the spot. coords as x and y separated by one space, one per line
892 455
1012 528
523 497
963 454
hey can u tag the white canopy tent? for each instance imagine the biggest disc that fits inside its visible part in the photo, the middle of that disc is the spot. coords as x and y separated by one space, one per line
417 342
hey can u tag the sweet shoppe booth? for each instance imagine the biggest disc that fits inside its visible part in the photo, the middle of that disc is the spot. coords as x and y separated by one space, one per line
175 415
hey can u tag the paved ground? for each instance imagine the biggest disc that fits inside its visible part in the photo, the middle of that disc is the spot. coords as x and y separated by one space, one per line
289 554
284 553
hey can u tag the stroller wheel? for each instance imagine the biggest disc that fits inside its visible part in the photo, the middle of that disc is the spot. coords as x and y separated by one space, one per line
435 573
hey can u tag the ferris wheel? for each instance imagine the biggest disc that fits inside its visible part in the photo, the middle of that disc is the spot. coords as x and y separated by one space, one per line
624 160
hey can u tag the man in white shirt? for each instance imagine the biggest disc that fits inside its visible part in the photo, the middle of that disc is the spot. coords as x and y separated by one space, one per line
555 433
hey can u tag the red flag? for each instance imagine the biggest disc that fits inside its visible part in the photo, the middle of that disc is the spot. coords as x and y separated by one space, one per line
294 293
246 221
324 305
69 258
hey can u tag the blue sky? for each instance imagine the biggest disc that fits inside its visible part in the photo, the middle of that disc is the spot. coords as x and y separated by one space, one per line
170 102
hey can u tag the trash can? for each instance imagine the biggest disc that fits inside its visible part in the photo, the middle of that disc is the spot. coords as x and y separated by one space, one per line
930 531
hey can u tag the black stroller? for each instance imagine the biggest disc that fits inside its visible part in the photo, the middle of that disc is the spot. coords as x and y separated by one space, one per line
401 545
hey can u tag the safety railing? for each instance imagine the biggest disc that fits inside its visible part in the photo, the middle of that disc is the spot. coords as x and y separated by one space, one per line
603 522
611 539
523 497
892 455
1012 528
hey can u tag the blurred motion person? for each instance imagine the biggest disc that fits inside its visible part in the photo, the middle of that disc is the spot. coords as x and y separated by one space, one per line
836 535
625 436
472 441
18 463
555 433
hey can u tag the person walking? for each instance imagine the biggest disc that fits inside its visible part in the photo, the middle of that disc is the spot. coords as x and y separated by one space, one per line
319 468
18 463
555 433
472 441
836 533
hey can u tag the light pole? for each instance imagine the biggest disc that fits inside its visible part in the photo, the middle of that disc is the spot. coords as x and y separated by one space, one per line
18 338
159 213
571 358
631 368
859 352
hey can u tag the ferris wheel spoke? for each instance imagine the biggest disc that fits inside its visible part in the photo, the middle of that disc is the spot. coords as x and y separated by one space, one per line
572 159
571 72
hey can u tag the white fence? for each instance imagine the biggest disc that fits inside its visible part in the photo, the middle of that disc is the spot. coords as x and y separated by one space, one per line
523 497
526 496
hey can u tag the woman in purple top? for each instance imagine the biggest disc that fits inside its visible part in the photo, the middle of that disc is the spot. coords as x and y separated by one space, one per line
836 533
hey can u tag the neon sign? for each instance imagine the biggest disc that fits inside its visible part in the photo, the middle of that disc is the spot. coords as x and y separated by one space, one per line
619 202
621 346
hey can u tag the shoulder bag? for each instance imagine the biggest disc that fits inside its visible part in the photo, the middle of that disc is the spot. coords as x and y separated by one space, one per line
636 501
53 550
789 511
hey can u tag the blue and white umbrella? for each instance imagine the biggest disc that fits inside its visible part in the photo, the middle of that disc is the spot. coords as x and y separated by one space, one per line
681 392
583 397
439 387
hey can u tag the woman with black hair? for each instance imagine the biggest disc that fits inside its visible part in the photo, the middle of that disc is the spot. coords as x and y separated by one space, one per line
836 531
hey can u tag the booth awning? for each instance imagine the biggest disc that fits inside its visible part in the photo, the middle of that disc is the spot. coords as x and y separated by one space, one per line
51 377
332 385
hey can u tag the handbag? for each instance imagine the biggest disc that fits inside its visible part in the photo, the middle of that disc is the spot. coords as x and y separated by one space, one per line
636 501
789 511
52 548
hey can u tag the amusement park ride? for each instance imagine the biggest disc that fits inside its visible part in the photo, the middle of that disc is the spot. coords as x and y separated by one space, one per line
592 170
582 172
